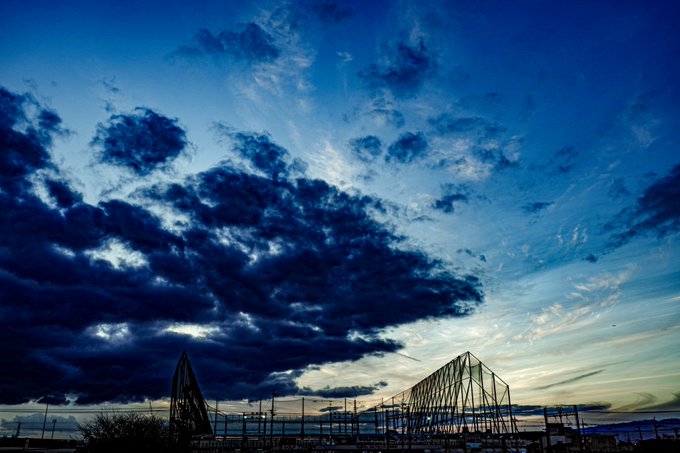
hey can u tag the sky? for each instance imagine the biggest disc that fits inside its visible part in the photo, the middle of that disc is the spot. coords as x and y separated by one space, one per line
337 198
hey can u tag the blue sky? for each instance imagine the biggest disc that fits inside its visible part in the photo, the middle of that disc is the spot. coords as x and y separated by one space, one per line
340 197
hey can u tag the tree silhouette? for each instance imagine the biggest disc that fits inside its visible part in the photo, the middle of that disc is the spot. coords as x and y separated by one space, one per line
128 432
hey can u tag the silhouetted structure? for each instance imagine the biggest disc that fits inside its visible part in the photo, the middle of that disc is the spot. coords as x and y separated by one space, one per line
188 413
462 396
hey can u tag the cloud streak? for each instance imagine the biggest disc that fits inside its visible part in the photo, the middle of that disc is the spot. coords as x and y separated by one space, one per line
570 380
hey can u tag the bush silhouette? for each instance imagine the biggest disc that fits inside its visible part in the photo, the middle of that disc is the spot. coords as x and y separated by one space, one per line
126 432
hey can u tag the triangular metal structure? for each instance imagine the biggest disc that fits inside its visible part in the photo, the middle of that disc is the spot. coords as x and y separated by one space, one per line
188 412
462 396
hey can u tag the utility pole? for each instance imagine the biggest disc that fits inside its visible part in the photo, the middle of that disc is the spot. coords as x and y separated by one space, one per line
47 406
656 430
394 416
271 428
302 426
383 416
375 412
217 405
547 429
408 420
578 428
401 417
345 415
54 423
18 430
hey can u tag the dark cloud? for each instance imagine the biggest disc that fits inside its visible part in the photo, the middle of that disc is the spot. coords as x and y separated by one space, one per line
23 138
404 70
657 212
109 85
562 161
536 206
284 384
251 44
11 108
671 405
451 194
617 189
472 254
388 116
528 410
504 163
343 392
497 158
327 10
383 111
266 156
658 208
408 148
283 273
591 258
448 124
63 193
483 133
643 399
366 149
140 141
307 15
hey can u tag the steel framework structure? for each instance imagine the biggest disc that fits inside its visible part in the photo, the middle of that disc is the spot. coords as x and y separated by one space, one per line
188 412
462 396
